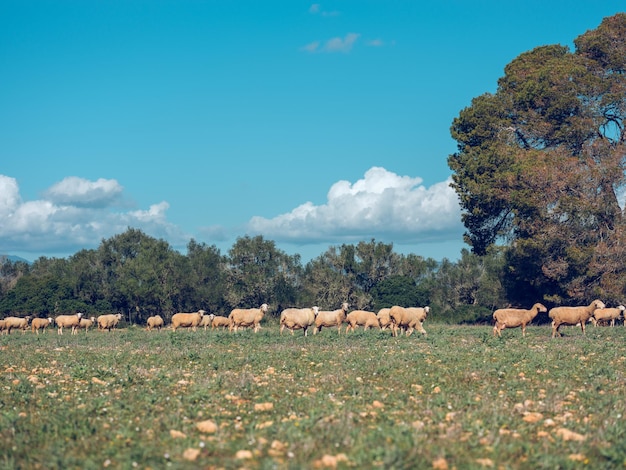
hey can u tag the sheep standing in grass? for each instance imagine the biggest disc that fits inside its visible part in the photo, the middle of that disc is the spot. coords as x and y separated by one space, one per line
220 322
68 321
207 321
87 323
16 323
607 314
298 318
515 317
362 318
155 321
109 321
187 320
408 319
246 317
331 318
572 316
40 324
384 320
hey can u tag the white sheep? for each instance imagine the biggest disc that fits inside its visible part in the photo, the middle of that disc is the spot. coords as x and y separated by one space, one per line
515 317
246 317
331 318
298 318
219 321
40 324
572 316
362 318
155 321
187 320
68 321
109 321
408 319
16 323
207 321
607 314
87 323
384 320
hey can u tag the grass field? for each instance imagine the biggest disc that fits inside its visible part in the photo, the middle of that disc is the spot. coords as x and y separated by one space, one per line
458 398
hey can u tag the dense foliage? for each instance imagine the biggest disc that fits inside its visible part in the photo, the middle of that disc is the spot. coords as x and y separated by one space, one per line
139 276
540 168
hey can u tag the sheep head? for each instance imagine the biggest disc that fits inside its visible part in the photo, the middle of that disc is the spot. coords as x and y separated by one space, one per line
316 310
598 304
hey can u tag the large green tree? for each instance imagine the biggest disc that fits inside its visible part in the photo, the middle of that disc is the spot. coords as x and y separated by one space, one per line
540 166
258 273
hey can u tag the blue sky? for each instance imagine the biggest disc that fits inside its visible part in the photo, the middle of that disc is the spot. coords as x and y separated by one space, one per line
312 124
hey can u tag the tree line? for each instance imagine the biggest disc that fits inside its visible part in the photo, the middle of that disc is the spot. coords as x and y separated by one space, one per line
139 276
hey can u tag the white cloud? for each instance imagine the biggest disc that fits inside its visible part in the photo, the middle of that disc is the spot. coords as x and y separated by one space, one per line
81 192
336 44
382 205
9 197
73 214
341 45
311 47
316 9
379 43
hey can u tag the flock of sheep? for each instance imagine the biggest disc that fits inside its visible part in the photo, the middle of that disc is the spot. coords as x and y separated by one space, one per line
74 322
595 312
396 318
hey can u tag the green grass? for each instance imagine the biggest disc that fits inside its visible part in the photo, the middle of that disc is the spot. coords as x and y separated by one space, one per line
458 397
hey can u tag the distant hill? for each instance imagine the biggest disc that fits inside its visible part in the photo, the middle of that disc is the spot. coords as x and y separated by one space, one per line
13 258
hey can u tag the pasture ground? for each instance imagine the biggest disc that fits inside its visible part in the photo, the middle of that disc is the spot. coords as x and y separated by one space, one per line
458 398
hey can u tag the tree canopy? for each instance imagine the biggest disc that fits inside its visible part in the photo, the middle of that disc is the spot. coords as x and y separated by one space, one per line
539 167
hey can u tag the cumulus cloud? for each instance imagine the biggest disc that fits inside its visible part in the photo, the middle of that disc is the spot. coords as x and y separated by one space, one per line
73 214
81 192
336 44
381 205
